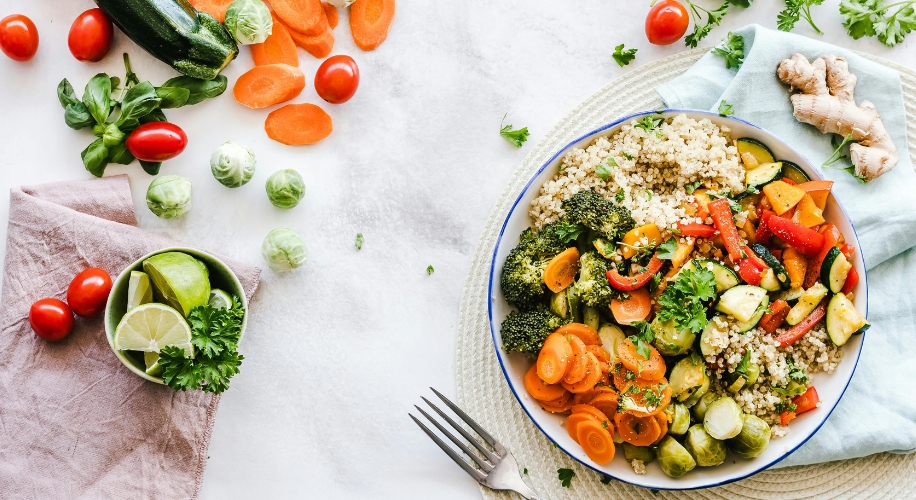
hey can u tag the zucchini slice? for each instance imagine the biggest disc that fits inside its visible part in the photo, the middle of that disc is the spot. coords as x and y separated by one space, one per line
769 282
834 270
779 271
764 174
793 172
790 295
843 319
745 326
757 149
725 277
806 303
741 302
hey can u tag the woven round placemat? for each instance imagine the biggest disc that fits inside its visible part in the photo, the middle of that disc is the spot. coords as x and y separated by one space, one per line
483 391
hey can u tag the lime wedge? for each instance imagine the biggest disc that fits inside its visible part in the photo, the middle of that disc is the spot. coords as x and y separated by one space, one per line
179 280
150 327
152 363
220 299
138 290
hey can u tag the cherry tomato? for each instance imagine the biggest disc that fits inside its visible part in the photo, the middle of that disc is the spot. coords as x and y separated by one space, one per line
88 292
18 37
157 141
667 22
51 319
337 79
90 36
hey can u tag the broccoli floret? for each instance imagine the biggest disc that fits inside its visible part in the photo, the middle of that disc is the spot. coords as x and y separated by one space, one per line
593 286
598 214
526 331
522 278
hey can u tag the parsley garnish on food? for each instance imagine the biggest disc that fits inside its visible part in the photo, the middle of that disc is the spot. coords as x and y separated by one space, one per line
666 250
701 29
745 361
215 335
693 186
643 338
796 373
620 196
683 300
429 270
795 10
623 57
838 155
649 123
627 155
359 241
565 476
785 406
734 205
568 232
603 170
725 109
874 18
732 49
516 137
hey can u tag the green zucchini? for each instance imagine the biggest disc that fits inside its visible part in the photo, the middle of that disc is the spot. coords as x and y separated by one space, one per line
764 174
778 270
725 277
790 295
843 319
793 172
746 326
806 303
194 43
769 282
742 302
834 270
757 149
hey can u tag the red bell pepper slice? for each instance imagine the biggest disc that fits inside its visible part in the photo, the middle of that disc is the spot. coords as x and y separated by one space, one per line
696 230
831 238
777 253
749 272
721 213
763 233
789 181
785 417
807 401
755 259
773 320
630 283
806 241
798 331
848 250
852 279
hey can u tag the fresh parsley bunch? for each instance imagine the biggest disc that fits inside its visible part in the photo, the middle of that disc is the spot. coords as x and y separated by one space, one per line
684 300
215 333
890 22
795 10
732 49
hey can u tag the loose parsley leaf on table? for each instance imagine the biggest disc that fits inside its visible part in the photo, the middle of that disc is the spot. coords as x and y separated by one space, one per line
701 29
516 137
732 49
795 10
359 241
430 270
725 109
623 57
565 476
874 18
683 300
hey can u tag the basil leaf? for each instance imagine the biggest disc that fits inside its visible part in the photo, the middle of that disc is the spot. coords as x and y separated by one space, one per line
65 94
97 97
112 136
151 167
77 116
115 82
172 97
155 116
95 158
200 90
120 154
138 102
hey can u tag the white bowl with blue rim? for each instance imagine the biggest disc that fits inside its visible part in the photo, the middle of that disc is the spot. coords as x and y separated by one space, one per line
830 387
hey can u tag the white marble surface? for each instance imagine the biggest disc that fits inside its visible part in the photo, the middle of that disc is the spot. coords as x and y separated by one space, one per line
338 351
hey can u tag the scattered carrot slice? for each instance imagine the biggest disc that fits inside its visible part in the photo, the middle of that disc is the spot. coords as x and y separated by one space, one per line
578 364
331 14
586 334
554 358
591 410
600 353
573 422
635 308
592 377
305 16
216 8
647 369
540 390
606 402
596 441
263 86
561 270
277 49
319 45
298 124
370 21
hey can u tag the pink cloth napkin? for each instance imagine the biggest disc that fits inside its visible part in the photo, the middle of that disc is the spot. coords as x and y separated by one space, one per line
74 422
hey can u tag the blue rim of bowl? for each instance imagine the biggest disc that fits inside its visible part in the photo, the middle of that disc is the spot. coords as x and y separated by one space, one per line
493 271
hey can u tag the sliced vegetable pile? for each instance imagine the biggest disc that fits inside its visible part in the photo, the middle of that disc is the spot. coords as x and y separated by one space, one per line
621 318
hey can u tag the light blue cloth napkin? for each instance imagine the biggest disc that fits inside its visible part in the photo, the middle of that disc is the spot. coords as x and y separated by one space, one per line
878 411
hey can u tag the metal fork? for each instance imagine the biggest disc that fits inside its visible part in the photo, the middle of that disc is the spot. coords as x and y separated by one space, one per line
498 470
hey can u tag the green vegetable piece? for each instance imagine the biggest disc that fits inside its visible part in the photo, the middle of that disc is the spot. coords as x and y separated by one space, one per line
232 165
525 331
644 453
169 196
753 439
285 188
179 280
669 340
700 29
112 136
699 409
97 97
138 102
198 89
95 157
283 250
795 10
679 418
725 109
876 18
687 378
248 21
623 57
723 419
172 97
673 458
705 449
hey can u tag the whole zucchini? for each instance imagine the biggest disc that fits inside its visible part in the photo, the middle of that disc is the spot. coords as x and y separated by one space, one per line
194 43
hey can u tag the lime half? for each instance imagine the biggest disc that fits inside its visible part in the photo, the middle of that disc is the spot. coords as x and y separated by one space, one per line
220 299
179 280
138 290
150 327
152 363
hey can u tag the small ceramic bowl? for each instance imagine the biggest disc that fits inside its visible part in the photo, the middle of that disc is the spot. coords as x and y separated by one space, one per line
220 277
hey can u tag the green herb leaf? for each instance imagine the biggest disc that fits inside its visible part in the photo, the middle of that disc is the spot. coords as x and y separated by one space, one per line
156 115
151 167
667 249
359 241
568 232
693 186
65 94
649 123
623 57
565 476
605 479
745 361
120 154
97 97
516 137
725 109
95 157
732 49
77 116
620 196
172 97
430 270
198 90
683 299
138 102
701 29
890 22
603 170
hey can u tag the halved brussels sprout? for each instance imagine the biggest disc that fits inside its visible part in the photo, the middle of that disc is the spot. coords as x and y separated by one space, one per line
705 449
673 458
678 418
753 439
611 335
669 341
644 453
688 377
699 409
723 419
696 394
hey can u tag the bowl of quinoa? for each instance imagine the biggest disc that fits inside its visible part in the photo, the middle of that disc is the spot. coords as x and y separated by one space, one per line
655 165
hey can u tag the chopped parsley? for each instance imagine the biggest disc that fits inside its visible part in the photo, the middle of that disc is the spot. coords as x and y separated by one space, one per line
649 123
683 300
623 57
627 155
693 186
565 476
516 137
603 170
568 232
725 108
359 241
643 338
667 249
794 11
701 29
874 18
745 361
796 373
620 196
785 406
605 479
430 270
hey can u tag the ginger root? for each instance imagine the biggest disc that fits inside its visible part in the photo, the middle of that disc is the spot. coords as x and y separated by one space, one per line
826 101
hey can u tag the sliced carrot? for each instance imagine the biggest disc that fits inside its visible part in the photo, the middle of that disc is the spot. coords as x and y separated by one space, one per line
592 377
319 45
298 124
635 308
305 16
277 49
573 422
600 353
586 334
554 358
596 440
370 21
561 270
263 86
578 364
663 427
638 431
331 13
606 402
622 376
216 8
540 390
651 396
595 412
561 405
647 369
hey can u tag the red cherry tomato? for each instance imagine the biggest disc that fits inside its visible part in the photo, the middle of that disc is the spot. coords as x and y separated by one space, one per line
90 36
157 141
667 22
337 79
88 292
51 319
18 37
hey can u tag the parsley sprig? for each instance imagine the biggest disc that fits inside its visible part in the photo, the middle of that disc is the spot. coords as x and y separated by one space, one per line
732 49
879 18
623 57
516 137
725 109
683 300
713 18
795 10
568 232
642 339
565 476
667 249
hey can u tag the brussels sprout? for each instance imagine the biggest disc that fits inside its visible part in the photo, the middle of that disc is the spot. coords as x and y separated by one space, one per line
283 250
705 449
232 165
753 439
699 409
644 453
610 336
673 458
687 377
249 21
285 188
678 418
169 196
723 419
669 341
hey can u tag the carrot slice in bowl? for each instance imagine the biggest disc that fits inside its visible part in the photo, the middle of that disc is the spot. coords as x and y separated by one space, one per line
606 402
596 440
652 368
573 422
370 21
644 398
586 334
298 124
634 308
578 363
539 389
264 86
592 377
638 431
554 358
561 270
